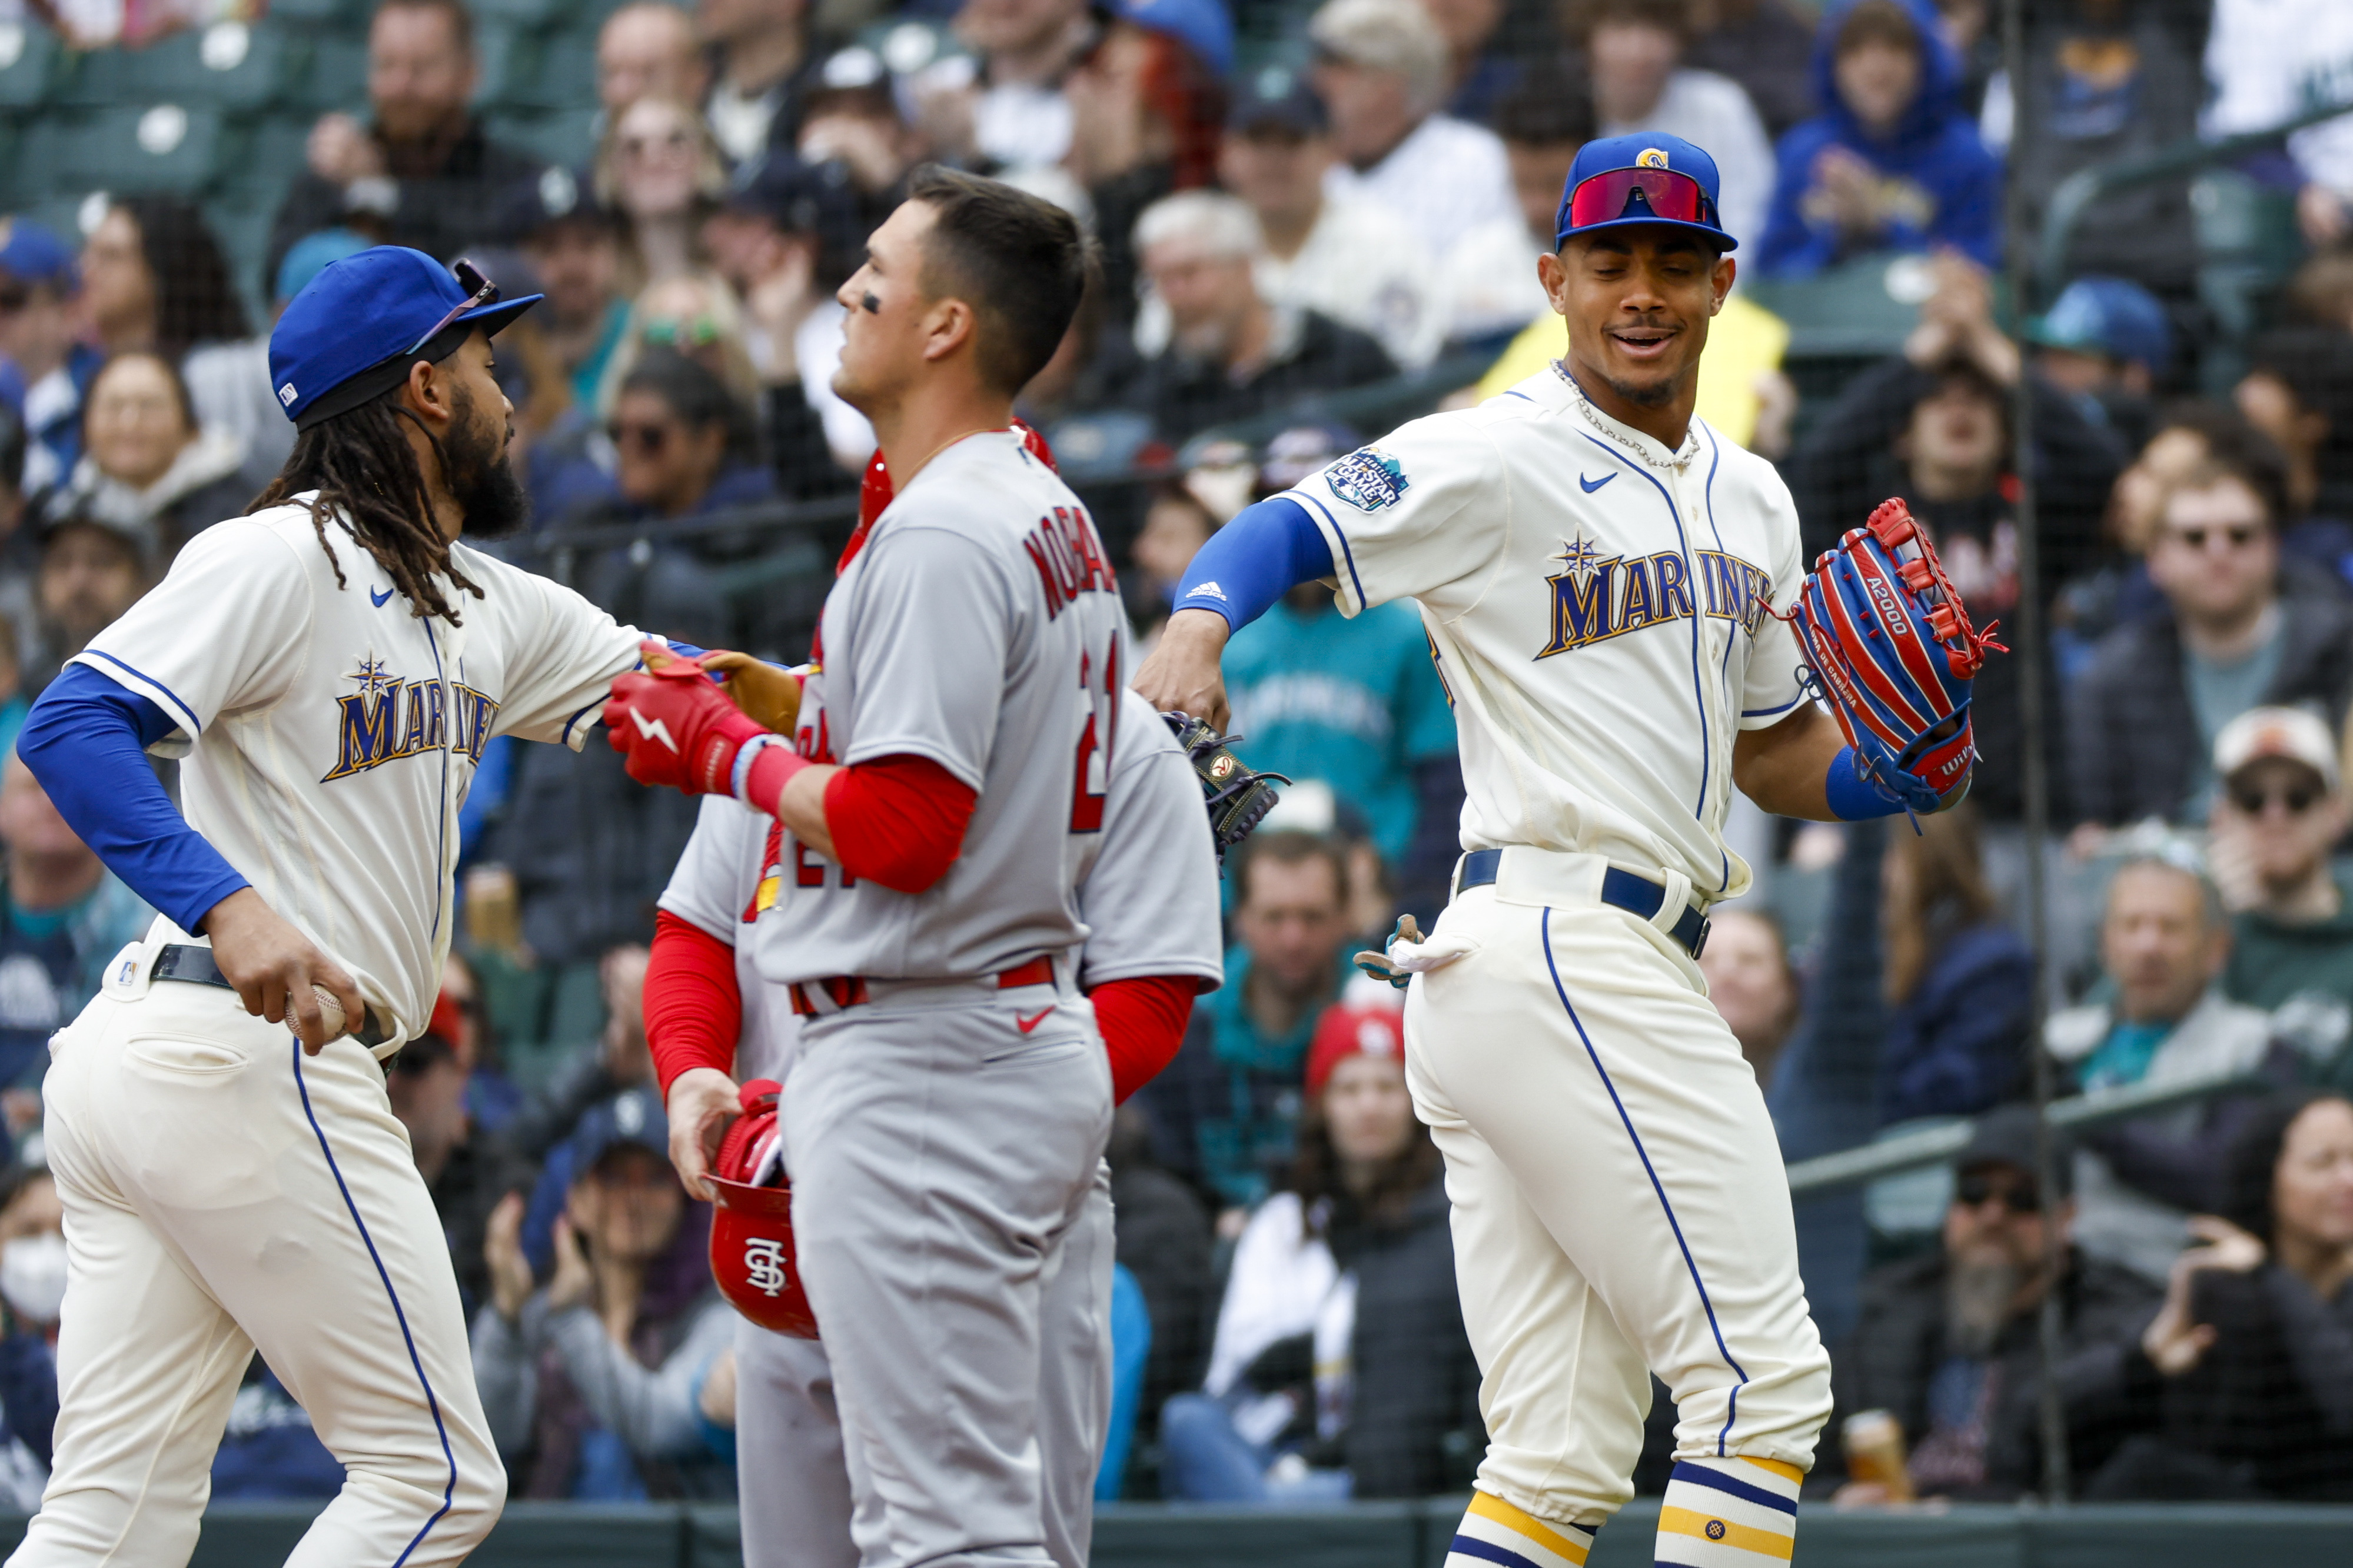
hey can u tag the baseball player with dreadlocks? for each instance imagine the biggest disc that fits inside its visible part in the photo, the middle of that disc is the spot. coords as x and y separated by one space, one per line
329 666
1604 580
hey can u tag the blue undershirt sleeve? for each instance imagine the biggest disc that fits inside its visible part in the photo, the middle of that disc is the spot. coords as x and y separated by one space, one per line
86 740
1265 551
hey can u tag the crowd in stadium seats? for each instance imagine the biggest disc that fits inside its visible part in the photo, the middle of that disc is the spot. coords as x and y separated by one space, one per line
1317 219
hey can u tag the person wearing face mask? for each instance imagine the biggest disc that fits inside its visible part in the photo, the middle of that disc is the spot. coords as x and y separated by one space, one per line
33 1289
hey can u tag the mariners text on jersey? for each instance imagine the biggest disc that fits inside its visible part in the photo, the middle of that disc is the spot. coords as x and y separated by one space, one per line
390 717
1595 599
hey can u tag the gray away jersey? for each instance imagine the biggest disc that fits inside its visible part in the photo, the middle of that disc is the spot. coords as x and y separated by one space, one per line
331 734
1149 897
981 628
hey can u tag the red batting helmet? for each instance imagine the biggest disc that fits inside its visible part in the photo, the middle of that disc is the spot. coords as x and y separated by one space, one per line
752 1227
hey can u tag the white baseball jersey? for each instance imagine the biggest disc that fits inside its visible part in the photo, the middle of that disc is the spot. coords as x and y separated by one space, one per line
1597 604
980 626
331 734
1148 892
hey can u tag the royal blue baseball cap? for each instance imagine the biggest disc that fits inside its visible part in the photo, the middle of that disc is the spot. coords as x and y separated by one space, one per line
1204 26
354 330
33 254
2111 316
1611 172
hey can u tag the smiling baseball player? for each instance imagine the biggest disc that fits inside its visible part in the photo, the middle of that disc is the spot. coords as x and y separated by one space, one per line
1596 568
974 651
330 666
1150 902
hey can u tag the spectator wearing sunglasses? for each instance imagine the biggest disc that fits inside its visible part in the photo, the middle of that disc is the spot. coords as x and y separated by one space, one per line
2281 807
2235 634
1947 1342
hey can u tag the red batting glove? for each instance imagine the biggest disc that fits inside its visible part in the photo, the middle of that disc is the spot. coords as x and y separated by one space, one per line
677 729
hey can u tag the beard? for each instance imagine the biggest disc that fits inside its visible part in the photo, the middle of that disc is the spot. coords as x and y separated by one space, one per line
482 481
1979 1292
1645 394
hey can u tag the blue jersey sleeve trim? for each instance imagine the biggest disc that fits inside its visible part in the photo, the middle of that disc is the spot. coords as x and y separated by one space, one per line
86 741
1784 708
1265 551
187 715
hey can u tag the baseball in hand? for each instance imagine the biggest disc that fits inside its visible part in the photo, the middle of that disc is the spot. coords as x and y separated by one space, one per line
332 1011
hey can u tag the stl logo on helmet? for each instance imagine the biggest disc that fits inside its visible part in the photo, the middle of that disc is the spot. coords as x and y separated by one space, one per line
763 1264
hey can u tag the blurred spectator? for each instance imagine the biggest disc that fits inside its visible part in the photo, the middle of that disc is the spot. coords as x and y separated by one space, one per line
2108 80
1162 1237
1933 426
20 562
649 49
853 123
269 1451
2268 61
761 65
425 173
2106 343
1350 259
2298 390
618 1060
1973 30
47 366
491 1098
1005 105
591 1382
2235 636
2252 1348
769 242
1487 276
659 172
1477 73
1340 1366
1767 47
154 281
1356 702
2163 945
62 921
466 1170
575 246
1947 1342
33 1287
90 572
1230 354
1381 70
1176 525
1959 983
1891 164
2281 806
244 407
1634 50
684 443
148 469
1224 1112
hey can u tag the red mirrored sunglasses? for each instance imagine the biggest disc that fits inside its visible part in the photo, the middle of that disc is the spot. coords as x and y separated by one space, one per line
1609 195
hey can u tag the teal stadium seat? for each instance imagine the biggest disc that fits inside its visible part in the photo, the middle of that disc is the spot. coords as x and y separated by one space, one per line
334 77
30 56
237 68
500 54
322 14
568 137
160 147
560 73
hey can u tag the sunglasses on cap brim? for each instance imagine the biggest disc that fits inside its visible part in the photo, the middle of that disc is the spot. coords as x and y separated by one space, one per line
1662 194
480 291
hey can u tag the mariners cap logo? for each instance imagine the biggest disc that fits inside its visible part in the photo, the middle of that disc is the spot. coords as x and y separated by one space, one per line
1652 158
287 395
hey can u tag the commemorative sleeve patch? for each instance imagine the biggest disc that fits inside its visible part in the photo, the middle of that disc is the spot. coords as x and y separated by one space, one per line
1367 479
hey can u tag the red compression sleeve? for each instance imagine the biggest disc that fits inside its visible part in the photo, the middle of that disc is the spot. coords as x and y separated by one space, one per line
1142 1023
898 821
694 1014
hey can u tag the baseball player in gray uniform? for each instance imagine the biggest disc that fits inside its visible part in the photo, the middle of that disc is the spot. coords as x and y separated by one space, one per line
952 1098
1150 902
330 667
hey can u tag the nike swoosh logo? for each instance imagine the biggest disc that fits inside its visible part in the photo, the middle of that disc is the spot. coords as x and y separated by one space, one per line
1026 1025
1592 485
654 729
378 599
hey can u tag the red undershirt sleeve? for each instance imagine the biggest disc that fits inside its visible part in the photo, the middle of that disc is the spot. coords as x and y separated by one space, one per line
1142 1022
898 821
694 1014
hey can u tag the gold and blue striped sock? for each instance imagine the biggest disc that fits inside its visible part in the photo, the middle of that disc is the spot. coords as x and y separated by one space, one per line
1729 1513
1493 1531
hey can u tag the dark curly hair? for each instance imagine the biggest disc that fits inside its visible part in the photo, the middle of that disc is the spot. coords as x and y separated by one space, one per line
366 473
2250 1165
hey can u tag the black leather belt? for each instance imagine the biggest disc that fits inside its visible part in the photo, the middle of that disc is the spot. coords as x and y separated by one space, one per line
196 966
1637 896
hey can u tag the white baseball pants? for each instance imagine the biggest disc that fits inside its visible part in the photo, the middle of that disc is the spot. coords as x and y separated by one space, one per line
223 1192
1620 1204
